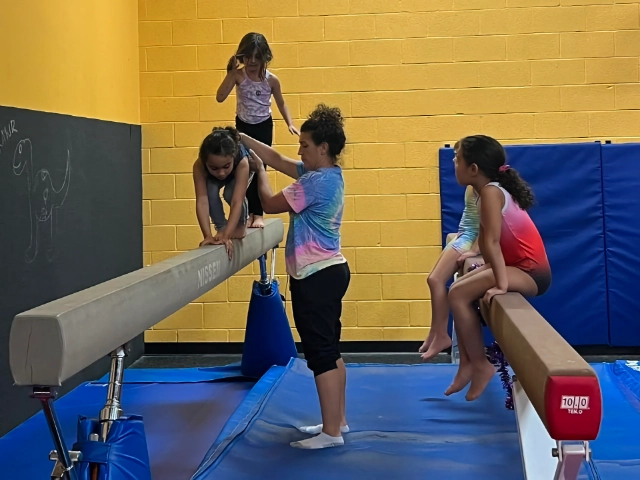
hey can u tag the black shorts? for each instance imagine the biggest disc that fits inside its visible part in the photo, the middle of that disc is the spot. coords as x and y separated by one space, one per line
542 277
317 307
263 132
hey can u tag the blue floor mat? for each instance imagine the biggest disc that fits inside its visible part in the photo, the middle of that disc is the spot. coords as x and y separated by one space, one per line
616 451
181 422
402 426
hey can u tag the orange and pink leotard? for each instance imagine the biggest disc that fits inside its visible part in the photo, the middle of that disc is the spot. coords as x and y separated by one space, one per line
521 244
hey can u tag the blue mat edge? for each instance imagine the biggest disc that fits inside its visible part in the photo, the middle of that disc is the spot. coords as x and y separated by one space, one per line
242 417
188 374
628 384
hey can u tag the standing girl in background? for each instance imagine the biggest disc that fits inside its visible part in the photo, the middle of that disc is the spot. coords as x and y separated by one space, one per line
254 87
318 271
222 163
463 246
515 256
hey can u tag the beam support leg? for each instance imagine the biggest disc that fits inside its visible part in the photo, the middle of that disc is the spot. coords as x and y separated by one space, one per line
112 409
570 459
273 264
64 467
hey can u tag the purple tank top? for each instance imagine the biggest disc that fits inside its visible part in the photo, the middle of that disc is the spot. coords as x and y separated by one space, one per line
253 99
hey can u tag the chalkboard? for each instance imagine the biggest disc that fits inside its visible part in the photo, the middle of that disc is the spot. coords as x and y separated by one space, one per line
70 218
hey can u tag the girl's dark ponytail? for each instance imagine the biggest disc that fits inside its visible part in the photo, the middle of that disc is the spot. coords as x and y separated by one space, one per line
234 134
513 183
489 155
221 141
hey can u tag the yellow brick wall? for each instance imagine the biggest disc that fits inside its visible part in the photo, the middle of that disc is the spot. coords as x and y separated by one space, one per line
410 75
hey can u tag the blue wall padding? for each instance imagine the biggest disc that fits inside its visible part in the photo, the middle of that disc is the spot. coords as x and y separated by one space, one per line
567 182
451 194
124 454
268 339
621 186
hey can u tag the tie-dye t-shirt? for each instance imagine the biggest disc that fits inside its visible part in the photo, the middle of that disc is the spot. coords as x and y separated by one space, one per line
313 239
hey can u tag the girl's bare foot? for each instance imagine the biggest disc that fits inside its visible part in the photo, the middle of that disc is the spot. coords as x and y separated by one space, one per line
427 342
461 380
479 380
256 221
438 344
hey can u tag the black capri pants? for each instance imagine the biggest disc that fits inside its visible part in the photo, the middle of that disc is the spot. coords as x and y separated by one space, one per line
317 307
263 132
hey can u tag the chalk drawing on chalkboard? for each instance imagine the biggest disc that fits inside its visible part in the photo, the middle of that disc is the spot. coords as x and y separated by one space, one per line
6 132
44 199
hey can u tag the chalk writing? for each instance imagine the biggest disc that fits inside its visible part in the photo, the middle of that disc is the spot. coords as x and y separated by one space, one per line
6 132
44 199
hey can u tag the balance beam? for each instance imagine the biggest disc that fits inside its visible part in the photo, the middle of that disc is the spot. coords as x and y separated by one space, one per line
52 342
557 397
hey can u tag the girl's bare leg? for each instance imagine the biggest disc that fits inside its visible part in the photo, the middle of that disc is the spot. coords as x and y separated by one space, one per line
461 297
438 338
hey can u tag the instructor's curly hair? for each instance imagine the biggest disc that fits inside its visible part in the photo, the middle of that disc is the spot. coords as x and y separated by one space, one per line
326 125
490 157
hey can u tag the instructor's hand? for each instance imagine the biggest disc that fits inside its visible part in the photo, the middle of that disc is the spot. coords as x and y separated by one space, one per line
255 162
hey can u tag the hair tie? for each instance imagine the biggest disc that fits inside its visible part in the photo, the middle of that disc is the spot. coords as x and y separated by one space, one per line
504 168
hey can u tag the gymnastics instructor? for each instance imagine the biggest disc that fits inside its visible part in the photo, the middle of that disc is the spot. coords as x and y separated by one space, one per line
319 273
